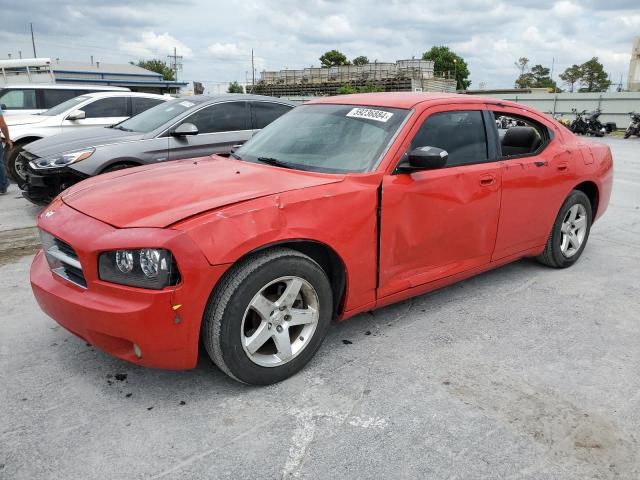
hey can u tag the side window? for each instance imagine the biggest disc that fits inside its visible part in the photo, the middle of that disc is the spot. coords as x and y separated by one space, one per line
519 135
460 133
223 117
19 98
107 107
265 112
55 97
140 104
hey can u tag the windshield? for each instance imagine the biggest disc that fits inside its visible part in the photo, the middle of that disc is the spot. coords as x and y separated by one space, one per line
326 138
64 106
155 117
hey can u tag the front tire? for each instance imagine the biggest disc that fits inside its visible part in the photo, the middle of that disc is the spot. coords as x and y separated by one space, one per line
268 316
16 169
570 232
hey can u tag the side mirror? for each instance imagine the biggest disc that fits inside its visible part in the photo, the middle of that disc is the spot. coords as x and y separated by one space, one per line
423 158
3 106
76 115
185 129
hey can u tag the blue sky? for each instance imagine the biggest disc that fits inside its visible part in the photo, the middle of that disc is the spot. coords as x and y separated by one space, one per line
216 38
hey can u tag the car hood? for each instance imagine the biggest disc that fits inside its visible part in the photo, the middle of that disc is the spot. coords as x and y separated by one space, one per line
14 120
83 138
163 194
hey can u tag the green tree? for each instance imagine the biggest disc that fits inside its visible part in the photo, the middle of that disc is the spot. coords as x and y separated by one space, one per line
537 77
333 58
594 78
157 66
446 62
571 76
523 65
361 60
235 87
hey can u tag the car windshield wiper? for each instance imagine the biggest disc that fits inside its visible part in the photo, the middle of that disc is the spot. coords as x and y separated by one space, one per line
275 162
235 155
120 127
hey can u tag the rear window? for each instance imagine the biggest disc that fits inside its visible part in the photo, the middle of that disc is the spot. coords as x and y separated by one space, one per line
140 104
266 112
53 97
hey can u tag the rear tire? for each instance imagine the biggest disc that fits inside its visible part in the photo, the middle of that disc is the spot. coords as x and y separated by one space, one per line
569 233
627 135
257 328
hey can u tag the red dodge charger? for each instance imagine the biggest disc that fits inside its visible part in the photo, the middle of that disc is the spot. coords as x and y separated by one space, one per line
341 206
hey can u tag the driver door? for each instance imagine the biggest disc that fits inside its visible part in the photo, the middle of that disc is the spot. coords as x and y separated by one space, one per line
437 223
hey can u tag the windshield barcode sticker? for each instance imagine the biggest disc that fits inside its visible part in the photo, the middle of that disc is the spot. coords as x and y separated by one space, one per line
370 114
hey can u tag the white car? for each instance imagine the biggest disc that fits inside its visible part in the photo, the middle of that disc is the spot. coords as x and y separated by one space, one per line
29 98
90 110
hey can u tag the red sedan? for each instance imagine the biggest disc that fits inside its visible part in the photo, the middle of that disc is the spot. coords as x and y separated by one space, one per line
341 206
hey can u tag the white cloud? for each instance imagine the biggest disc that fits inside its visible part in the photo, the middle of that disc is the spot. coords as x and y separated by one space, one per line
226 50
151 44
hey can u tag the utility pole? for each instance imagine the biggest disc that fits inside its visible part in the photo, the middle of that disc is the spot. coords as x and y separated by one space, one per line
175 63
33 42
253 73
553 62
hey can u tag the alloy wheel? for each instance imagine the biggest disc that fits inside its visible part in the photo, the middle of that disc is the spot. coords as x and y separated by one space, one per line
573 230
280 321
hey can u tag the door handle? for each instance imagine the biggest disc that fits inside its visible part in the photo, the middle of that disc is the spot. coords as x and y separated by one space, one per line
541 164
563 167
487 180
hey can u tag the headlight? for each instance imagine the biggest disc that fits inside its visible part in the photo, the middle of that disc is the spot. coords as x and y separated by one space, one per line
62 160
152 268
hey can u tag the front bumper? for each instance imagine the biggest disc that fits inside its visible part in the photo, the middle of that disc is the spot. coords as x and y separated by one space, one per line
42 186
113 317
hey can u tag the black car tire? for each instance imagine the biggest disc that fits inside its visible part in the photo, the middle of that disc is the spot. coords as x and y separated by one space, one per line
11 159
223 318
552 255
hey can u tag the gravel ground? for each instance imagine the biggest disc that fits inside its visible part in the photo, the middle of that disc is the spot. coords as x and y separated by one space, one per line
524 372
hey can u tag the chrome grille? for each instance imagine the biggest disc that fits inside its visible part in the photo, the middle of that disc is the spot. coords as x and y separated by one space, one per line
63 259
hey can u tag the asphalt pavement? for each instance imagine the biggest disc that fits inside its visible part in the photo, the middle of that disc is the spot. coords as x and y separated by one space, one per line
524 372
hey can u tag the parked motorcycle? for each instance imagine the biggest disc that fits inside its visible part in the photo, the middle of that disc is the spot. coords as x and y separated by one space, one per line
590 125
579 124
594 126
634 126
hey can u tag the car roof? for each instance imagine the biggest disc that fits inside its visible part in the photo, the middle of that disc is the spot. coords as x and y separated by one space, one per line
227 97
60 86
123 94
406 99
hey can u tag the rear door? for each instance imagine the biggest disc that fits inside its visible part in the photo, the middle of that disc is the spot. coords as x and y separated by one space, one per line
537 171
436 223
101 112
220 127
52 96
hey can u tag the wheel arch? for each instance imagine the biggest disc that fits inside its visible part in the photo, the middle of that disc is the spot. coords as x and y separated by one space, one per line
131 162
27 139
325 256
590 189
